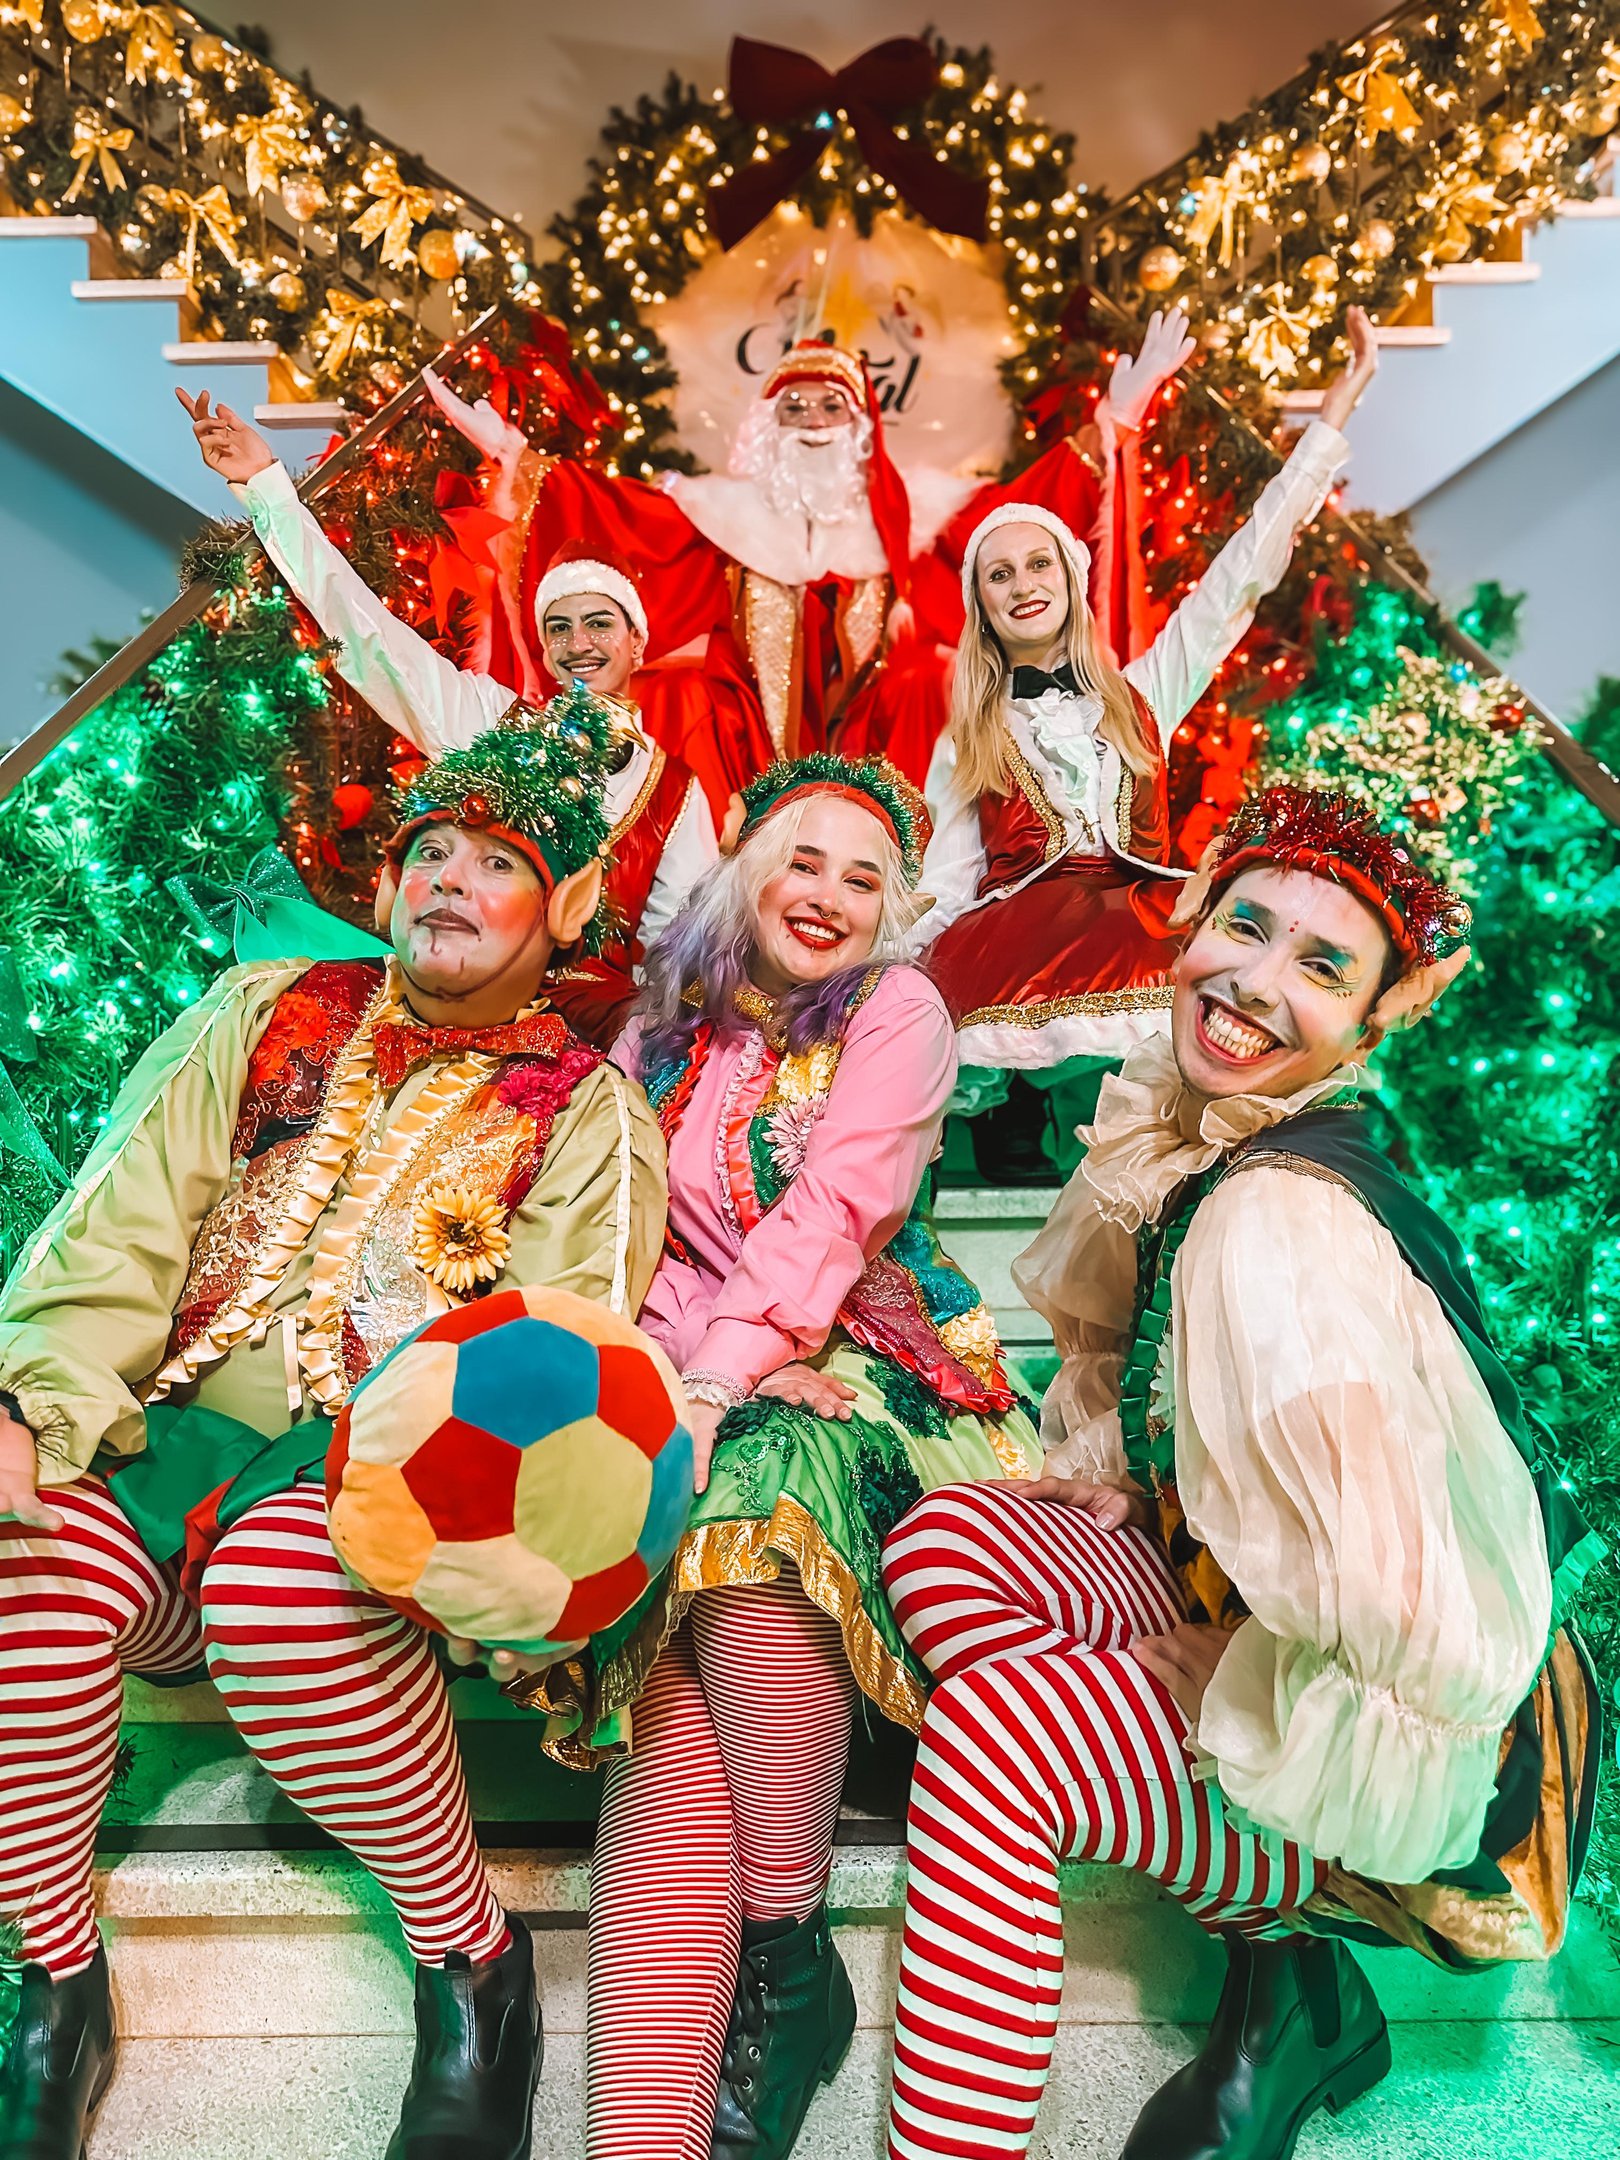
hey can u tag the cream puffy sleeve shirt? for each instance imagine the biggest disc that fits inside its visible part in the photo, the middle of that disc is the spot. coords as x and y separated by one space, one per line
1341 1458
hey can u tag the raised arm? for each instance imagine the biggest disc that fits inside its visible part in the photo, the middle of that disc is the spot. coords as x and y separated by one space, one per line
1339 1454
409 685
1177 667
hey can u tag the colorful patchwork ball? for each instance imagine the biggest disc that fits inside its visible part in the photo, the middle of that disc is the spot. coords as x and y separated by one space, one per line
516 1471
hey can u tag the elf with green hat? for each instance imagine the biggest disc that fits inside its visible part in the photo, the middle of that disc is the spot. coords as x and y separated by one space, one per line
304 1169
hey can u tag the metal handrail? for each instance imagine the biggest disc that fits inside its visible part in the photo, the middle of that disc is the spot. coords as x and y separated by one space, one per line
24 756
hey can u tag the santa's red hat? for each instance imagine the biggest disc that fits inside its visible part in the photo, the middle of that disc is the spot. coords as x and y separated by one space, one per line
579 568
811 361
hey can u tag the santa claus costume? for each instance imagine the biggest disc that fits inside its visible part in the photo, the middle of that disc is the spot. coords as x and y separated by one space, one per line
662 832
785 573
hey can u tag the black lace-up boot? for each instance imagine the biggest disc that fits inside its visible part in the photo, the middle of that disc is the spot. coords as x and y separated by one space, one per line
791 2025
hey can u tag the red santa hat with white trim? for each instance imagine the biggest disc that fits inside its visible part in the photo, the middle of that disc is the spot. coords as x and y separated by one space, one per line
846 372
579 568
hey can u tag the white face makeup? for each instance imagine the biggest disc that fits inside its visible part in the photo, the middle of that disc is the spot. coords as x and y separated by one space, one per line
1024 590
468 913
821 914
1273 989
589 639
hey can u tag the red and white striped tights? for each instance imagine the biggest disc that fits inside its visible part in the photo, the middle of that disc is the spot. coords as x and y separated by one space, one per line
337 1695
1044 1741
726 1809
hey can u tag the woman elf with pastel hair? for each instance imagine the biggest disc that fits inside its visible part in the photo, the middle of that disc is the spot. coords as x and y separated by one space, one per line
838 1367
1050 865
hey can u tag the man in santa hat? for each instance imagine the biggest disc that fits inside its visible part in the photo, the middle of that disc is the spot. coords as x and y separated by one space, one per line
592 628
821 588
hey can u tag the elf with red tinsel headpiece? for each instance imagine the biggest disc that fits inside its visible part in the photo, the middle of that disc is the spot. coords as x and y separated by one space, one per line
1282 1626
819 586
592 628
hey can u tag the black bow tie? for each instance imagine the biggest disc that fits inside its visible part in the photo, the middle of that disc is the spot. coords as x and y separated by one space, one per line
1029 682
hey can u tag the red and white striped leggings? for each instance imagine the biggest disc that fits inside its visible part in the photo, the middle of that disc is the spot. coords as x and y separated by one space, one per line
339 1698
1044 1741
725 1810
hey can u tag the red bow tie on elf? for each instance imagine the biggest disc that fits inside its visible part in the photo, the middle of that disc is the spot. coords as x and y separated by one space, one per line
401 1045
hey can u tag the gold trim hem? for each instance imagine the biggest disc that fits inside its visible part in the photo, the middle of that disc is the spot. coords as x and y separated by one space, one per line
1149 997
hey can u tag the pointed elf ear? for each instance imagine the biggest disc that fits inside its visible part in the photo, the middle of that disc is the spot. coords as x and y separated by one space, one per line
573 902
1193 897
382 907
1410 1000
731 831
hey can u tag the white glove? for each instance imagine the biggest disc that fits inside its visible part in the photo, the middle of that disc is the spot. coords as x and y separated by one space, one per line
481 423
1135 382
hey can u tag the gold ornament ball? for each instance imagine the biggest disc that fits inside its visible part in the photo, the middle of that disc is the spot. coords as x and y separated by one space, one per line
1215 335
14 114
1321 269
379 172
436 252
83 20
1602 120
210 55
288 290
1377 239
1510 151
1159 268
1311 161
304 195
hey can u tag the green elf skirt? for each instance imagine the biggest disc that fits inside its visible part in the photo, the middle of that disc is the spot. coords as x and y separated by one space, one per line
818 1494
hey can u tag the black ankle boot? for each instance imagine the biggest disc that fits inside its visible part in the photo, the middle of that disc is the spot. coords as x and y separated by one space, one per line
1297 2028
1009 1140
58 2063
791 2025
477 2062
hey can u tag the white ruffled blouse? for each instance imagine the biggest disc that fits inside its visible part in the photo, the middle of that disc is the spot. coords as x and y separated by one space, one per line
1339 1455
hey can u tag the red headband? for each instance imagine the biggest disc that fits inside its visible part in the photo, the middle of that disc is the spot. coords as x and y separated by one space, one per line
467 817
856 795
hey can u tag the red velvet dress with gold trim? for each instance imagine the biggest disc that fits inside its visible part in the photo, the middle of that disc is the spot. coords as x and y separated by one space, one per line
1049 935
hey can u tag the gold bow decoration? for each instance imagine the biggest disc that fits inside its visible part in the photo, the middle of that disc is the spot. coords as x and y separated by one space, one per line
351 321
1274 343
31 12
1380 94
1469 202
210 212
94 143
397 208
150 53
1219 201
1520 20
271 146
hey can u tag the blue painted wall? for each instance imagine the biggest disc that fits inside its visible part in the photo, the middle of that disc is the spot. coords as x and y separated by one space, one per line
1541 514
85 546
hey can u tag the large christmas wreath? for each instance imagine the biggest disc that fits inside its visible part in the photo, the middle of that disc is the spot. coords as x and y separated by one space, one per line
913 124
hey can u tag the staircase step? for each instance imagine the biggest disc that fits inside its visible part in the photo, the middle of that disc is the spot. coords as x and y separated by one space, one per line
133 288
1410 334
249 1944
319 412
1457 2092
222 352
1487 272
48 228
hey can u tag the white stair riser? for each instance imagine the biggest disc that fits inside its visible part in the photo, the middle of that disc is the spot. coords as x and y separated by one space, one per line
94 352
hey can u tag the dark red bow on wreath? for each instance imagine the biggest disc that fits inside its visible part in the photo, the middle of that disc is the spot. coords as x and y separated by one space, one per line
773 86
